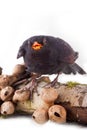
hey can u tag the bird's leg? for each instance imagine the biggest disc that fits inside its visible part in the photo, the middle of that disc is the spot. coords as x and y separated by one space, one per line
30 82
31 86
52 83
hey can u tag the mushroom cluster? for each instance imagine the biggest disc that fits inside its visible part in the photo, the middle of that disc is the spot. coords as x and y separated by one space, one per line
8 94
11 95
49 111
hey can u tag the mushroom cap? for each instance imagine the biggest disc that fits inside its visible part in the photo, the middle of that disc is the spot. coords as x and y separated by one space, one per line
7 108
40 115
6 93
49 94
19 69
4 81
21 95
57 114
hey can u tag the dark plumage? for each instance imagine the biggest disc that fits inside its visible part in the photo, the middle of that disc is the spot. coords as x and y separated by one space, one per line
49 55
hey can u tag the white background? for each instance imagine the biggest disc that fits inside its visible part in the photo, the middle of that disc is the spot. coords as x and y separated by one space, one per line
20 19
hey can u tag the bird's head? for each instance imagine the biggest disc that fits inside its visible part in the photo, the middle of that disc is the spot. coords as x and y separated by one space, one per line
37 43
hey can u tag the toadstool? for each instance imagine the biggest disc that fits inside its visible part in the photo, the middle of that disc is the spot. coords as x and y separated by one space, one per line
6 93
19 69
57 114
4 81
49 94
40 115
7 108
21 95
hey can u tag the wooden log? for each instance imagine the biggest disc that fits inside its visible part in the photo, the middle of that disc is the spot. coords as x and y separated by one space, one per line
72 95
75 114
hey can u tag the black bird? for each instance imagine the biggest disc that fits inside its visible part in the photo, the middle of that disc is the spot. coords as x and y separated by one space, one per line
49 55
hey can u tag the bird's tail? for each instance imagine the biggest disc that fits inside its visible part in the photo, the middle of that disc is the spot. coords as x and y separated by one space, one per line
73 68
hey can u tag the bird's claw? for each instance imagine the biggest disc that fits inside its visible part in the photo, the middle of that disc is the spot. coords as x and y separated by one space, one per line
52 83
32 87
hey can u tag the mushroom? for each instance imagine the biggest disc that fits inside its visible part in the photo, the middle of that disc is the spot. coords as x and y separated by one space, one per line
7 108
49 94
19 69
21 95
4 81
40 115
57 113
6 93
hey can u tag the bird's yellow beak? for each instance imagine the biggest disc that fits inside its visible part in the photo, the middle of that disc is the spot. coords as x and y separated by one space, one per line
37 46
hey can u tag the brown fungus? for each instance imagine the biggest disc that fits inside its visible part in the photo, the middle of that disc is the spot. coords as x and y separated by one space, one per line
40 115
4 81
57 114
19 69
6 93
21 95
49 94
7 108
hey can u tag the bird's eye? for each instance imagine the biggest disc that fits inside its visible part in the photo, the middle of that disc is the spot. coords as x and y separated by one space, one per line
37 46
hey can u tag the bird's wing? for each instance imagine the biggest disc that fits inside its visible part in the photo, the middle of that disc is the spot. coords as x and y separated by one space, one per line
65 52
